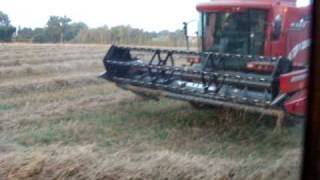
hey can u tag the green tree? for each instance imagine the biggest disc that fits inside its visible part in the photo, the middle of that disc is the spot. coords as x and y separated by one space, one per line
100 35
4 19
73 29
129 35
25 34
6 30
56 28
40 35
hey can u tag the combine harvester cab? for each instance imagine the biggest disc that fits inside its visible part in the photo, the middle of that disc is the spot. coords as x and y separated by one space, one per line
253 57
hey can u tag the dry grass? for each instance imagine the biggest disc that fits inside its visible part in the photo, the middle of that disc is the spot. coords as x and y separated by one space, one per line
85 162
58 121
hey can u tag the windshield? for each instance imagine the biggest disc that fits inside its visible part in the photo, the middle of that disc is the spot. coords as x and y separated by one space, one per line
234 32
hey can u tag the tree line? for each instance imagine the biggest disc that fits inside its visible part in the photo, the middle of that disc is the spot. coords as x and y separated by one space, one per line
63 30
6 29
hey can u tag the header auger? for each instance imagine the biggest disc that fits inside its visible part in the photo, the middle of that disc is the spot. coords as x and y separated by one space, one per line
253 57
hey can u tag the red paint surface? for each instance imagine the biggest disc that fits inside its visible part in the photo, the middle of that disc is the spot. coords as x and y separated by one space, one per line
296 105
229 4
293 81
289 39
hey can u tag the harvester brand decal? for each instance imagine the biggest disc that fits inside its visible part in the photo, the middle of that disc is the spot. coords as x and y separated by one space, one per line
297 78
299 25
298 48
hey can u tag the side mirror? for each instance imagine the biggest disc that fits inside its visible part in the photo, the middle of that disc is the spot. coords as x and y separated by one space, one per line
276 27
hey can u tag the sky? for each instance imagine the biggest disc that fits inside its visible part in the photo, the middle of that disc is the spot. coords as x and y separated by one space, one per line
149 15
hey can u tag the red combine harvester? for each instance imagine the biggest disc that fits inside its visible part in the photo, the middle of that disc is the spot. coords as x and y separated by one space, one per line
253 56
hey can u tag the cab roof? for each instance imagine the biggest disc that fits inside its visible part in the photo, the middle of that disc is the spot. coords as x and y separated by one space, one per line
228 4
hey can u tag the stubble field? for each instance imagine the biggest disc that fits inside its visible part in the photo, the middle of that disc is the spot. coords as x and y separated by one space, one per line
59 121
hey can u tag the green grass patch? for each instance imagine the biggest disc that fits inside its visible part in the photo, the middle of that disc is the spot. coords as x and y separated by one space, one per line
44 135
4 107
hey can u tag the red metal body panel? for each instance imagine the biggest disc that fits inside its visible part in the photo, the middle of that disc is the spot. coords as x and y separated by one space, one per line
298 36
293 42
231 4
293 81
297 103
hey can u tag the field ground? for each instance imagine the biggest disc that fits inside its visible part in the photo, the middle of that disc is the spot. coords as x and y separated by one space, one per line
59 121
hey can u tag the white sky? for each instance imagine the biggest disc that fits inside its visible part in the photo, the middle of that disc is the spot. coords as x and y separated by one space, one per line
151 15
